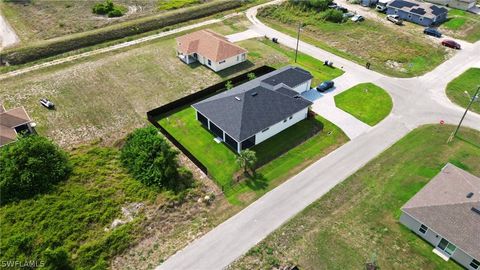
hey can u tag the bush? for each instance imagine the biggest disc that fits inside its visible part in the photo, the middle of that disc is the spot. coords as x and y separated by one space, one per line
56 259
31 166
109 9
333 15
152 161
21 55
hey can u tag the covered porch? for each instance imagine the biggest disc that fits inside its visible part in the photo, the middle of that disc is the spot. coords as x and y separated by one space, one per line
187 58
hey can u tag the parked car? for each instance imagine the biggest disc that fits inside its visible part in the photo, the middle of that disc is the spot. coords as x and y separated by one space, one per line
324 86
332 5
451 44
357 18
381 8
432 32
395 19
342 9
348 15
47 103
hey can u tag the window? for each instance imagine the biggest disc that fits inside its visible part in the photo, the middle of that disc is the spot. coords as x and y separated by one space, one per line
243 56
446 246
475 264
421 18
285 120
290 117
221 62
209 62
409 16
265 129
238 57
423 229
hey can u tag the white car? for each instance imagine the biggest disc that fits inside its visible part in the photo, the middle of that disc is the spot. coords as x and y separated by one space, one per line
357 18
395 19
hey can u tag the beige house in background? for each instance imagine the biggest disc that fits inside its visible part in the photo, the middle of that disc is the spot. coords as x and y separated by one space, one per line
13 122
446 213
210 49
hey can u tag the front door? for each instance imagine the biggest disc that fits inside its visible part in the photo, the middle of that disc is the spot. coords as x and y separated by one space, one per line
446 247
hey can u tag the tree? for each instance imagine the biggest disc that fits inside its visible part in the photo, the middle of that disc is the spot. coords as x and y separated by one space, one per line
247 160
229 85
333 15
251 76
31 166
152 161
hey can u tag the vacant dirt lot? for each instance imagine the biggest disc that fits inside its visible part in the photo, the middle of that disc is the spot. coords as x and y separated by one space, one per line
44 19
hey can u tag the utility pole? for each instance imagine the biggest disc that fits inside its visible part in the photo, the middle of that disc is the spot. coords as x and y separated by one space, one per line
298 40
474 97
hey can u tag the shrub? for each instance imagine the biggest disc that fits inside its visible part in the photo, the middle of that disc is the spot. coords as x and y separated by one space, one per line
31 166
21 55
152 161
116 12
105 8
333 15
56 259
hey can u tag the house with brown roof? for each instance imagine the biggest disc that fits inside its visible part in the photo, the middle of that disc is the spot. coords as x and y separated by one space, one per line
446 213
12 123
210 49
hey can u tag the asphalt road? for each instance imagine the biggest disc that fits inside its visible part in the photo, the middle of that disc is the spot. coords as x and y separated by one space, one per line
417 101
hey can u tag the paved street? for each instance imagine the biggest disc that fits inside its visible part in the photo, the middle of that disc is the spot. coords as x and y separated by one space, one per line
417 101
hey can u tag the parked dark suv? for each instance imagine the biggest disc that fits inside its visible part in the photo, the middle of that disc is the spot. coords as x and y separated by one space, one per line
432 32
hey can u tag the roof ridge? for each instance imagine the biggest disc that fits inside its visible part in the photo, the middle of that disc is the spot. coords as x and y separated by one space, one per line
441 204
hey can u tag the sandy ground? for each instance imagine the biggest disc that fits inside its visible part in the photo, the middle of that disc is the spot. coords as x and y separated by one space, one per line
8 37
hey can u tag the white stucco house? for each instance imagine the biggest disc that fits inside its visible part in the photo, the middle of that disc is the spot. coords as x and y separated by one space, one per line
210 49
251 113
446 213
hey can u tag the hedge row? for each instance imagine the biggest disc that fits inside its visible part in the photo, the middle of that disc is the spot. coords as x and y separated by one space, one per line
64 44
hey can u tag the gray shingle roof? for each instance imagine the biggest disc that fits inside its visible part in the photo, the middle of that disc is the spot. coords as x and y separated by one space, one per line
442 205
290 76
251 107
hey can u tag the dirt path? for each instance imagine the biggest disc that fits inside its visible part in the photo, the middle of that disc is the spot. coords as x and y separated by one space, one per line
113 47
8 37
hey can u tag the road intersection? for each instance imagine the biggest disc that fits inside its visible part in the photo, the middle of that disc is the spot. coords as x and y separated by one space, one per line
417 101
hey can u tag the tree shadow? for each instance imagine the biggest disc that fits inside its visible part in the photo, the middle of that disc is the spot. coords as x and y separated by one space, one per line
257 181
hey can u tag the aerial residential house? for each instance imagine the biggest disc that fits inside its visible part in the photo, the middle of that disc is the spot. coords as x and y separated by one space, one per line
458 4
210 49
446 213
13 122
422 13
250 113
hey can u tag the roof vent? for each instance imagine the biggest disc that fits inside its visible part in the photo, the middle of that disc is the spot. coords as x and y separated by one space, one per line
237 98
254 94
470 195
476 210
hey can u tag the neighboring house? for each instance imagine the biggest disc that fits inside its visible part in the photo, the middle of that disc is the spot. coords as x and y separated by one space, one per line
422 13
368 3
250 113
446 213
210 49
13 122
458 4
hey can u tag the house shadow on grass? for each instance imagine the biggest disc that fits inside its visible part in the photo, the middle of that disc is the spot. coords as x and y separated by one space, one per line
236 69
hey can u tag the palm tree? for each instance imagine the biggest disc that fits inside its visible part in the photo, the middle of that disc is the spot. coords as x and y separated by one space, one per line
247 160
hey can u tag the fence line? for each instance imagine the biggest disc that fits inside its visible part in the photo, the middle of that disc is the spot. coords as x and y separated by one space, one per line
154 114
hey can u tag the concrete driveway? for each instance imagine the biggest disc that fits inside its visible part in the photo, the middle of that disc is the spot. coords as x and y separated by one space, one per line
8 37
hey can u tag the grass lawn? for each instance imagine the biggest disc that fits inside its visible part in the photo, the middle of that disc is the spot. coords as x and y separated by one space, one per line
462 24
220 160
395 53
359 217
74 215
468 81
367 102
